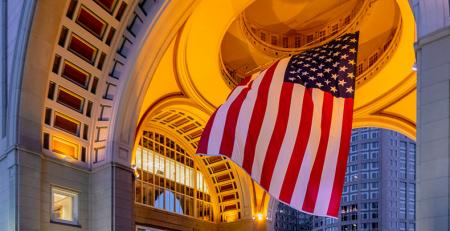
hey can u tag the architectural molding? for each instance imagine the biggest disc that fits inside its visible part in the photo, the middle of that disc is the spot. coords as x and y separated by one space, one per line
432 37
15 72
140 72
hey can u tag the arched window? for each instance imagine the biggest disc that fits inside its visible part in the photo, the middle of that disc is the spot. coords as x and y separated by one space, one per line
168 178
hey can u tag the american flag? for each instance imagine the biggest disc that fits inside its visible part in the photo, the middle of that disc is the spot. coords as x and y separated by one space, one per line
289 126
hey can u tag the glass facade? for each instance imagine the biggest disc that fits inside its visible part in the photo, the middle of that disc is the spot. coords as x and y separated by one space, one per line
168 178
379 189
289 219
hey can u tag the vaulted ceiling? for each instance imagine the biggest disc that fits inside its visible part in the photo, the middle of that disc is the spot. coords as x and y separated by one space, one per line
112 68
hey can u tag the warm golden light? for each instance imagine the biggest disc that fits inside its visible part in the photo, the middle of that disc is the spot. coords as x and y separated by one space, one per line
64 147
259 216
230 217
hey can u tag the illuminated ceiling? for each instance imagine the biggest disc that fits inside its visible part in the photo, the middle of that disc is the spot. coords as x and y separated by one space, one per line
184 57
214 43
220 42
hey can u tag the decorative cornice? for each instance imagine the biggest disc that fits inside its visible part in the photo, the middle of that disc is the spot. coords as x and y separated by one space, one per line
432 37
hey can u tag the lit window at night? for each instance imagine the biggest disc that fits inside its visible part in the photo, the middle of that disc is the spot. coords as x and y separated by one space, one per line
168 178
64 206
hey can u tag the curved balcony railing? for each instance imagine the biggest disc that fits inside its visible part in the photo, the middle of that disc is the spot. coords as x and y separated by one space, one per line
367 67
280 45
370 66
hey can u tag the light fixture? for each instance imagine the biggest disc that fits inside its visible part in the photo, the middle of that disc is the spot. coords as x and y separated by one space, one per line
259 216
135 171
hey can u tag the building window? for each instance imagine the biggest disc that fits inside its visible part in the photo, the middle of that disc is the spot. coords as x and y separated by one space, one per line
263 36
354 137
365 135
64 206
360 69
321 35
373 59
374 134
353 148
309 38
274 40
169 180
297 42
285 42
334 28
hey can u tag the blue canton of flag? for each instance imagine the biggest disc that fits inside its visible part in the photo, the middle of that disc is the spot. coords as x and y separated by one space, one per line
330 67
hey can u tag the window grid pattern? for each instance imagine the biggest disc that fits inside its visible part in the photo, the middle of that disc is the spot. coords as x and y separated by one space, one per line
219 168
168 178
380 161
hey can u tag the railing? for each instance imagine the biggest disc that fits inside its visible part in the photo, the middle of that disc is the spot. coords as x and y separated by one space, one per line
366 68
320 35
384 54
233 75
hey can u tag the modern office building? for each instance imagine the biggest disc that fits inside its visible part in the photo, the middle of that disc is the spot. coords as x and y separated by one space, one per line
288 219
102 103
379 191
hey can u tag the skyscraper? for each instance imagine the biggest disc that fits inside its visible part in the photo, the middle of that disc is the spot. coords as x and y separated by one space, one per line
379 190
289 219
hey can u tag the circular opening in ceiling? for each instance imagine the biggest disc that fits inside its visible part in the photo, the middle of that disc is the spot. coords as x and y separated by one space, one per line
269 30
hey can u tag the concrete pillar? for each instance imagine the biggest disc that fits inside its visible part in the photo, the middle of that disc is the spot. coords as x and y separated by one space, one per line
111 198
433 106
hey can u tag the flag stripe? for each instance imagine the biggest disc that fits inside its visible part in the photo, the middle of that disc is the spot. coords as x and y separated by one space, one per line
257 119
298 196
316 172
244 119
277 138
333 209
293 168
329 167
289 141
218 126
226 148
203 144
270 118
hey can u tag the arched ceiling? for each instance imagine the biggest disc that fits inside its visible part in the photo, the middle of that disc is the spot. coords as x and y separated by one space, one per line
165 49
212 35
191 67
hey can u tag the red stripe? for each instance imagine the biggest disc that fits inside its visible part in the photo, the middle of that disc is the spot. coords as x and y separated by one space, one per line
204 139
278 135
226 147
257 118
316 173
243 83
333 207
304 130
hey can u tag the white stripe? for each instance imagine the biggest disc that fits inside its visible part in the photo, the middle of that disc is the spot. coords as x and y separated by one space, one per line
329 167
270 119
298 196
295 116
243 121
218 126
